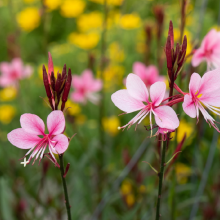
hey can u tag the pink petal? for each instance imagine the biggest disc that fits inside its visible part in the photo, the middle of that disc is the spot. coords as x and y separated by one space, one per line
136 88
198 57
56 122
78 97
17 65
87 76
157 92
96 85
77 82
166 117
189 106
32 124
125 102
62 143
194 83
22 139
210 82
211 98
5 68
50 64
7 81
152 74
211 41
27 71
139 69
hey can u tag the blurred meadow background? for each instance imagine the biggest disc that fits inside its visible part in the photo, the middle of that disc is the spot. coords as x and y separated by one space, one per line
99 155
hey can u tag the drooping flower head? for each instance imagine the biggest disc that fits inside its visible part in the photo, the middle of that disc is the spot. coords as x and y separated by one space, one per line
148 74
27 137
203 92
209 51
86 87
132 99
14 71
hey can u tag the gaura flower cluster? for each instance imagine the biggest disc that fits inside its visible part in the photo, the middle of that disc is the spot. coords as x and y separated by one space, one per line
32 127
12 72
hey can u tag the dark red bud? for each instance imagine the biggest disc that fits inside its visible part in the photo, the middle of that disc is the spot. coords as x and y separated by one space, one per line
53 81
66 89
184 45
170 33
66 171
64 72
58 83
168 51
46 83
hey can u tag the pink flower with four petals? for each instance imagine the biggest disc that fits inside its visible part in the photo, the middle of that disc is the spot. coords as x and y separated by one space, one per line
131 100
14 71
203 92
86 87
27 137
209 51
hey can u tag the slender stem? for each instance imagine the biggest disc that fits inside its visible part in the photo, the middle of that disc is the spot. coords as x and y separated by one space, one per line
65 187
161 174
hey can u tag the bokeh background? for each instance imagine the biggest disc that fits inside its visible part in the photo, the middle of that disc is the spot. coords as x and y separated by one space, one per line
72 31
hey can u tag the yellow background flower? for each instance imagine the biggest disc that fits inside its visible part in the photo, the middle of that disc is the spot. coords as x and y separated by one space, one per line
28 19
109 2
72 8
52 4
84 41
111 125
7 113
130 21
182 172
8 94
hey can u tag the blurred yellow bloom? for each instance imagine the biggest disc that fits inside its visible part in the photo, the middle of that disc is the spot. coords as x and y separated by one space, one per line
29 1
56 69
109 2
8 94
130 200
90 21
52 4
111 125
183 128
7 113
28 19
126 187
182 172
116 53
84 41
72 8
130 21
141 47
73 108
142 189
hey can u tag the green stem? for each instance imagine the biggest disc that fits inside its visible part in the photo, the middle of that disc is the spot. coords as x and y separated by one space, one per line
65 188
160 174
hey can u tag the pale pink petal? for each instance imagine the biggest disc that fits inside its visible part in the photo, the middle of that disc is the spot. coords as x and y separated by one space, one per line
166 117
5 68
194 83
27 71
7 81
22 139
50 64
125 102
77 82
198 57
211 41
17 65
152 74
78 97
157 92
189 106
136 88
61 144
96 85
32 124
56 122
210 82
211 98
87 76
139 69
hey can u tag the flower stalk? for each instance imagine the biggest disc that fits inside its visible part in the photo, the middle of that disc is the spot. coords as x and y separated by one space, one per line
65 187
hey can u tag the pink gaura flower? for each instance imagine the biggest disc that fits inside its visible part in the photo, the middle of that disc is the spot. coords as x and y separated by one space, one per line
132 99
86 87
27 137
14 71
203 92
148 74
209 51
